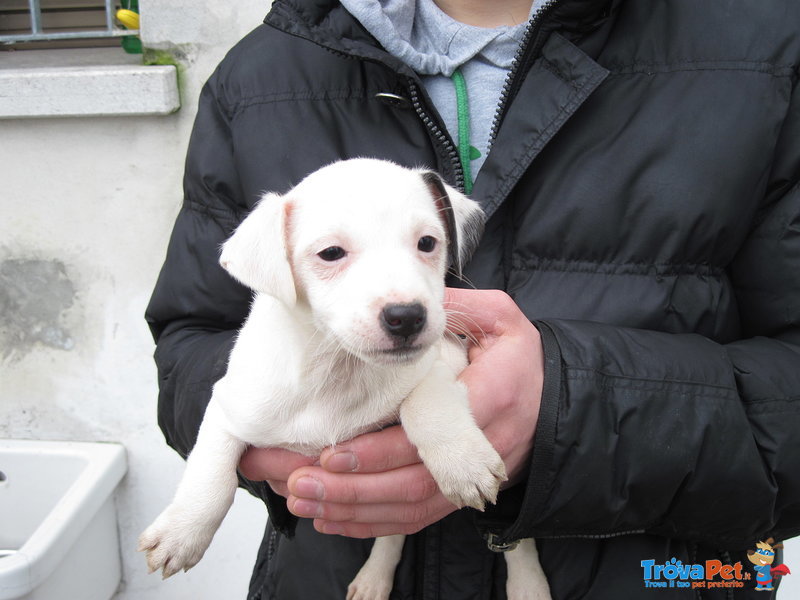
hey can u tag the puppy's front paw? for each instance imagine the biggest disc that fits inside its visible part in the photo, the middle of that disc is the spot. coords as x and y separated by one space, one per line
174 542
469 472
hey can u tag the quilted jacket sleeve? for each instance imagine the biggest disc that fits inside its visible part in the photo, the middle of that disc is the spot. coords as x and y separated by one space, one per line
643 431
196 307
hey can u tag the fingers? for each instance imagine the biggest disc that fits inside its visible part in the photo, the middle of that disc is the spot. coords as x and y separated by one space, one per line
409 484
412 515
370 486
387 526
357 506
273 465
377 452
262 464
403 500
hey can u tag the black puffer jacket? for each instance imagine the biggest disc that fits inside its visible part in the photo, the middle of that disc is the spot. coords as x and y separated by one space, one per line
644 211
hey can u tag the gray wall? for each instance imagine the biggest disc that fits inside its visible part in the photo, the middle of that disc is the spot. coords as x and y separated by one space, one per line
87 205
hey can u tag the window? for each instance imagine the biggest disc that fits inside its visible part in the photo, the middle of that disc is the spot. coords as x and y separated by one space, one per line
36 24
81 81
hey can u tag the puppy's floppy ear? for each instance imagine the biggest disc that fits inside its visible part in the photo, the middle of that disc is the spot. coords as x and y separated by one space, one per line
257 254
463 219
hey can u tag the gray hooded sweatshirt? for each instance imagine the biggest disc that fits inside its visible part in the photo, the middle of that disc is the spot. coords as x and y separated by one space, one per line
435 46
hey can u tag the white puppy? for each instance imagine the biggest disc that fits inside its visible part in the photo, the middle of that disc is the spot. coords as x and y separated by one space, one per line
346 334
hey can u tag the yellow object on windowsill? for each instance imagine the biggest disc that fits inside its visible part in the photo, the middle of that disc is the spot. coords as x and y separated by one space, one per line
128 18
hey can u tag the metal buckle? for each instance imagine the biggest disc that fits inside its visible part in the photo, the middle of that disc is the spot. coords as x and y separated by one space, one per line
495 547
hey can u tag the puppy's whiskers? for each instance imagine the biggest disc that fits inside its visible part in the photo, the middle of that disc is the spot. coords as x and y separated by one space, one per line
460 323
462 278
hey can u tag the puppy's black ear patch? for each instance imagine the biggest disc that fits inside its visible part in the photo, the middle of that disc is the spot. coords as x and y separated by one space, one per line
445 208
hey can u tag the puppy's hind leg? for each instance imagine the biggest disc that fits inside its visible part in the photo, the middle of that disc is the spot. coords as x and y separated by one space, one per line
180 535
374 580
526 579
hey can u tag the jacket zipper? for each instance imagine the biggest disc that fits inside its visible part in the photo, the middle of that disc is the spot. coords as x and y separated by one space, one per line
509 91
591 536
436 132
513 81
524 52
438 135
495 544
272 544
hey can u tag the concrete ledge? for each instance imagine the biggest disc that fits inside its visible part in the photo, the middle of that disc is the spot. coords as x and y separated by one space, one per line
82 91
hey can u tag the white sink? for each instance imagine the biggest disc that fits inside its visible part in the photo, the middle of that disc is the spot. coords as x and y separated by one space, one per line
58 526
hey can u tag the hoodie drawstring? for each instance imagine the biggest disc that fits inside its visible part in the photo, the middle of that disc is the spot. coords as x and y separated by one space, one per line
462 110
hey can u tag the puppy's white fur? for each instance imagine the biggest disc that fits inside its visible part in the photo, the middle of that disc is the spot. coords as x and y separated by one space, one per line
316 363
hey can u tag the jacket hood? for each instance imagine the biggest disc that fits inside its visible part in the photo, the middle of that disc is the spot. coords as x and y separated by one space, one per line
431 42
330 24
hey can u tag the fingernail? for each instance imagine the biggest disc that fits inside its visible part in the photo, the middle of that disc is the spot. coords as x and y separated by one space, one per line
342 462
306 508
332 529
308 487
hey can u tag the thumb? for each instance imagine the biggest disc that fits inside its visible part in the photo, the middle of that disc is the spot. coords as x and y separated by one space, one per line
482 313
469 311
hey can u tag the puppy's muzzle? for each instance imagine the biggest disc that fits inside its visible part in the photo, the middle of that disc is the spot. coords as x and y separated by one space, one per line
403 322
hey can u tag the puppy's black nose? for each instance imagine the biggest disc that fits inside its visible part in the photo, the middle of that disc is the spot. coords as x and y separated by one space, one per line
403 320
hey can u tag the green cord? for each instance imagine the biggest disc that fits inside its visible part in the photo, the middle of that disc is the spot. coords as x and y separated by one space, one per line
462 110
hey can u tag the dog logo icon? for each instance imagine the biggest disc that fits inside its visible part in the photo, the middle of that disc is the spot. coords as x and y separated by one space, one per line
763 558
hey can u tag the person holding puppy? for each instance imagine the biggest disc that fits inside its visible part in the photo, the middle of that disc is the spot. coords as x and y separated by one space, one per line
637 288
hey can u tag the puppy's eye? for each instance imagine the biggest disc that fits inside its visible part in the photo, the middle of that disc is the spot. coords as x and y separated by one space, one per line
426 244
331 254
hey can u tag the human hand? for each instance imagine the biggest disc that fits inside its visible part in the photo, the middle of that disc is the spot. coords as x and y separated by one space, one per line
272 465
505 373
375 484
